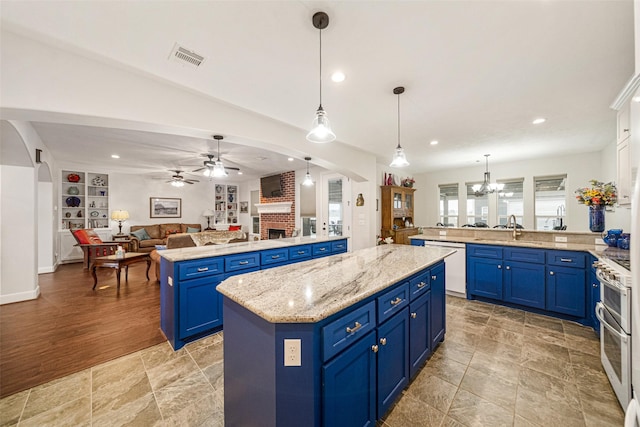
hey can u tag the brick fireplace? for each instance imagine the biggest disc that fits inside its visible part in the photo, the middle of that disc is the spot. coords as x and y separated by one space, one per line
282 221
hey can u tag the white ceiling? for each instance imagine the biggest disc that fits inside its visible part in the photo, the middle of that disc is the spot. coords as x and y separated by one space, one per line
476 73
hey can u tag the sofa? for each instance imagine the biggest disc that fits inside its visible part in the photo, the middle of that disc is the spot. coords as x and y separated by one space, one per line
157 234
188 240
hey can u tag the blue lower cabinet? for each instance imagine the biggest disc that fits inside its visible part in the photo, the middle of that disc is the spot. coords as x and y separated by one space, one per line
349 386
437 324
524 284
274 257
484 277
566 290
339 246
321 249
241 261
200 305
419 336
393 359
300 253
417 242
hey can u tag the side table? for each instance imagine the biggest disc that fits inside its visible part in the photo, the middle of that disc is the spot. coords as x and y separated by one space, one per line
122 239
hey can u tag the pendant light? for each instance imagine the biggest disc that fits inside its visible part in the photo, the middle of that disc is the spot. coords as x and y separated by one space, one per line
486 187
399 158
218 170
320 129
308 181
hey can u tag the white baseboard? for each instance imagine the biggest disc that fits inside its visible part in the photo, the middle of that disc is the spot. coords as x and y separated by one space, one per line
48 269
20 296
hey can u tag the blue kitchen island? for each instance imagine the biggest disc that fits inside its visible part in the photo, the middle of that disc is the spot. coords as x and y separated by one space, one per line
331 341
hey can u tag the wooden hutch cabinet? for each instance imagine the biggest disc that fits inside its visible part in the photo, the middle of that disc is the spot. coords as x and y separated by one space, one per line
397 208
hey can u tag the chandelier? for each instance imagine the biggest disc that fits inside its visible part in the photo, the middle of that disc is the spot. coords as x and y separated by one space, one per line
487 186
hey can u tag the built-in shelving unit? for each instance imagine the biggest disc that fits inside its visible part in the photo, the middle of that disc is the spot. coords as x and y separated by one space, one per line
84 200
226 204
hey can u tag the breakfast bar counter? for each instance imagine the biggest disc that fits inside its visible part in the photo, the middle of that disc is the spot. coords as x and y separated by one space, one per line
331 341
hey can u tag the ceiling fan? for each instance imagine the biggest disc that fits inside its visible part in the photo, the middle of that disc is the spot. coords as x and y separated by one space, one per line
215 168
178 180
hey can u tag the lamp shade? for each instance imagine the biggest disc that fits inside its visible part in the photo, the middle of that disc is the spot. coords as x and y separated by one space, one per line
208 213
119 215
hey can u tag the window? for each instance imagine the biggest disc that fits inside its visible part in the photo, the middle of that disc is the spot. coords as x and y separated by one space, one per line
511 201
477 207
550 202
449 205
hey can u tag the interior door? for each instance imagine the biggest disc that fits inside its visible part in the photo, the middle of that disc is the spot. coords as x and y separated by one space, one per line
334 206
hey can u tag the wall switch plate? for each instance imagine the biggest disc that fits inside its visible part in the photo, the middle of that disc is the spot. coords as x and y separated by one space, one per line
561 239
170 280
443 233
292 352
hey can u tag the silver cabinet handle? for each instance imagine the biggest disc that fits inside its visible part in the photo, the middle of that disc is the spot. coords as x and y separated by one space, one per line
566 260
383 341
414 315
396 301
551 273
275 256
322 249
301 252
421 285
243 262
357 326
374 348
434 277
201 269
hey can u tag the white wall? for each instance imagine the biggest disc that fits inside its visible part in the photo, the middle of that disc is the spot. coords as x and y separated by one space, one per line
580 168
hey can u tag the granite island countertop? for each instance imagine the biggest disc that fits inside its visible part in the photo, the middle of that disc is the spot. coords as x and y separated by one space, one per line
311 291
184 254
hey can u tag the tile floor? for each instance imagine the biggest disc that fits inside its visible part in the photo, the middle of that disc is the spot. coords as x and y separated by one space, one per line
497 367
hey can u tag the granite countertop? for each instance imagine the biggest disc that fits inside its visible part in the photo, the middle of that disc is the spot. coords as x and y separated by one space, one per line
184 254
311 291
511 242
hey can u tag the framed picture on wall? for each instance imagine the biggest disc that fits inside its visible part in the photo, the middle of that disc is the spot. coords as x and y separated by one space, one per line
244 207
163 207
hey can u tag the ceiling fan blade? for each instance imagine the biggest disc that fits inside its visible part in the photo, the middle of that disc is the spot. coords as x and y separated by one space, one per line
191 181
188 182
199 169
232 168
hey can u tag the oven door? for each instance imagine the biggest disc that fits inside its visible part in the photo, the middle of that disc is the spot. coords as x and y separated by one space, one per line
615 353
617 299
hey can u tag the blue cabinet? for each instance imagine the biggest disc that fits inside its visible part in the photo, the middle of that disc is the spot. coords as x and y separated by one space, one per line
484 277
274 257
393 359
349 386
524 284
566 290
438 318
200 305
419 333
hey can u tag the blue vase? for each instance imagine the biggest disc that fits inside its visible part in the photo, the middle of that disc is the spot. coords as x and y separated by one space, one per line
596 218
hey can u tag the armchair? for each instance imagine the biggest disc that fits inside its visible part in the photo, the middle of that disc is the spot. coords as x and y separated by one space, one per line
92 246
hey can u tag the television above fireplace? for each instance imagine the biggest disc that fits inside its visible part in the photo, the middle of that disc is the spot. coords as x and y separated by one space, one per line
271 186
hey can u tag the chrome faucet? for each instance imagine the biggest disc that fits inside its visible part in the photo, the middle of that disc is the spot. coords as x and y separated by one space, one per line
516 233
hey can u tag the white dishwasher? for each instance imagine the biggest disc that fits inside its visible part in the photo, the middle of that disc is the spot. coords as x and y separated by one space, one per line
455 270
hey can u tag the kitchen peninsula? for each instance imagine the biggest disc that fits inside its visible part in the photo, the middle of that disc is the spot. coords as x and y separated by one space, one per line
190 305
331 341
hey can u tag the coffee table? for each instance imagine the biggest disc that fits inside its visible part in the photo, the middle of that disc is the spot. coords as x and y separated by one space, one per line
111 261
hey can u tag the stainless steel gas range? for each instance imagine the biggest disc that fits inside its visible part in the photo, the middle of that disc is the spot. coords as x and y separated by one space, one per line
614 313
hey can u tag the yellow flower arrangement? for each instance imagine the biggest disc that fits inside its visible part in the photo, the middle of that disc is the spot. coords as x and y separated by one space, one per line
599 194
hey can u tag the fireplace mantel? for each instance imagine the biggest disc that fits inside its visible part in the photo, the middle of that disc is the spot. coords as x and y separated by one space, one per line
278 207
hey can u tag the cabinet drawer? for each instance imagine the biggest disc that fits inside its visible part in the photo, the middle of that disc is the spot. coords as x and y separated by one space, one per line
535 256
339 246
567 258
321 249
419 285
200 268
300 252
341 333
484 251
392 302
241 261
274 256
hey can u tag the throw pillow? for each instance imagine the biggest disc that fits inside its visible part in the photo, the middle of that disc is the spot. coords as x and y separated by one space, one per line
170 232
193 230
141 234
235 227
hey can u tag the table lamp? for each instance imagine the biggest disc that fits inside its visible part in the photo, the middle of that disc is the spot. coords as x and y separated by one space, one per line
208 213
120 216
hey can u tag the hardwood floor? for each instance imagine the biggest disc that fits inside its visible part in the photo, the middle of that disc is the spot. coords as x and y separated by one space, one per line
70 327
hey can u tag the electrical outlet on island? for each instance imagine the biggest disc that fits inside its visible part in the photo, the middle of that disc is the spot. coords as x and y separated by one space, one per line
292 352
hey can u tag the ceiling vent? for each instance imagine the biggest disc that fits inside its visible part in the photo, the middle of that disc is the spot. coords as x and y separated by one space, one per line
185 56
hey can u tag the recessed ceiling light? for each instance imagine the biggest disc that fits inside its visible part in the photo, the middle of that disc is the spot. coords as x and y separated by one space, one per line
338 77
434 142
539 120
290 159
239 172
115 156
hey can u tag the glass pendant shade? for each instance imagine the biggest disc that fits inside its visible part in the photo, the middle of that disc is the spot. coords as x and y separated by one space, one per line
399 158
218 170
308 181
208 172
321 132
